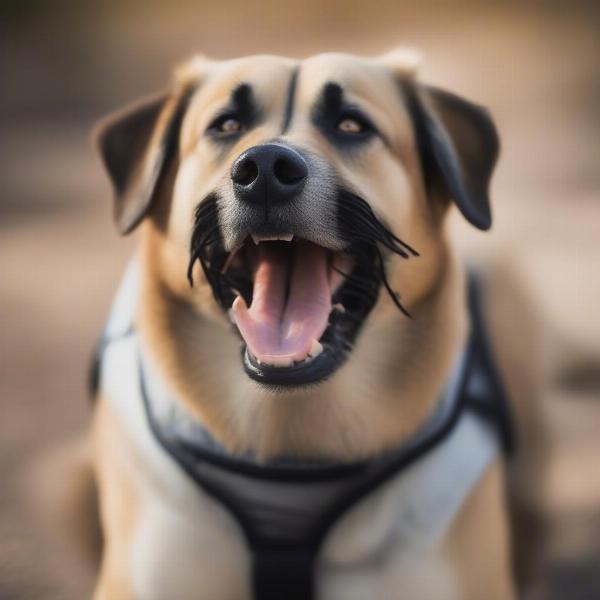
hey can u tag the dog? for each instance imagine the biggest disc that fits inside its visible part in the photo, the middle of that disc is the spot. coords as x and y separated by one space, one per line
289 392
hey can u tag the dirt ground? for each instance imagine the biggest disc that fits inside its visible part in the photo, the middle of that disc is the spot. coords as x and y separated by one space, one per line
62 65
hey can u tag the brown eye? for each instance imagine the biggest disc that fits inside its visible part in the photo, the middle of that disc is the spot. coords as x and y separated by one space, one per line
350 126
230 125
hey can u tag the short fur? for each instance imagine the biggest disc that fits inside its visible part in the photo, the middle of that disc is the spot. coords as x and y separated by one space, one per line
433 149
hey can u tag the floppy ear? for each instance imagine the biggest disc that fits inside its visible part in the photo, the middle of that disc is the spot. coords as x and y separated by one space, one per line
136 145
458 145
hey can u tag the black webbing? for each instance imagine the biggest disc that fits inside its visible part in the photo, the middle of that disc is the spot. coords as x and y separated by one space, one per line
493 404
283 573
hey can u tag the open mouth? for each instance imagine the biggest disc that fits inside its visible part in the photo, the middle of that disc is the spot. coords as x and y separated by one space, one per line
296 325
297 306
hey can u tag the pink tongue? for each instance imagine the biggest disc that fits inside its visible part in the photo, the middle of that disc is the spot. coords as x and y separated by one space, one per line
277 333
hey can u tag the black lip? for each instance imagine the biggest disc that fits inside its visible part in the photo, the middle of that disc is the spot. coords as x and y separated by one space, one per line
313 372
368 241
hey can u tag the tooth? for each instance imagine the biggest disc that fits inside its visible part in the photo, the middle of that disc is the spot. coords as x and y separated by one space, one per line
339 307
285 363
285 237
231 315
309 358
232 255
254 357
281 362
315 349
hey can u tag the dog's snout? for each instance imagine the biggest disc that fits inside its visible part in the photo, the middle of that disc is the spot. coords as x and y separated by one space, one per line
269 174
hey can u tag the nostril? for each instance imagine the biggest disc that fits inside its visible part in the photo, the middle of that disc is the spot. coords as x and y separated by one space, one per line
245 172
289 172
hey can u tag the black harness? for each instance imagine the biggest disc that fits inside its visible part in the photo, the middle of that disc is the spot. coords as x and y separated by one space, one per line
286 508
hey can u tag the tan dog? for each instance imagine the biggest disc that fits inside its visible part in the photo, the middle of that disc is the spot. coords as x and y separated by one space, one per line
293 191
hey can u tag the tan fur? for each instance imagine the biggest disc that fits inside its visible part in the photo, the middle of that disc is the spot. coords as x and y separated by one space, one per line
115 467
478 543
394 375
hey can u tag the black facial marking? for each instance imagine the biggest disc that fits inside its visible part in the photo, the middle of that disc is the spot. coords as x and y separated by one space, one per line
241 99
332 97
289 107
206 247
331 109
242 107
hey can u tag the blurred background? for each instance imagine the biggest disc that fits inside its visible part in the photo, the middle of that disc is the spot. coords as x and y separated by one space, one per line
64 64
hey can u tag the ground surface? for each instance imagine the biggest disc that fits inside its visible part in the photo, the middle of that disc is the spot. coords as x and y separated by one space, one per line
537 69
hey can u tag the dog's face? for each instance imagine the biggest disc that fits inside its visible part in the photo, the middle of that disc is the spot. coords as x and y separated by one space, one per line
291 194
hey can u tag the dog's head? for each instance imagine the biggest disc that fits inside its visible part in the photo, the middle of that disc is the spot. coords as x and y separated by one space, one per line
304 195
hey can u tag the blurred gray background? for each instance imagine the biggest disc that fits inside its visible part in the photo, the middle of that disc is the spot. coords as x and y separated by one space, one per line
65 64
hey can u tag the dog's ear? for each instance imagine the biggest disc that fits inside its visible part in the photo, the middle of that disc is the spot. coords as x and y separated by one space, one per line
458 145
136 145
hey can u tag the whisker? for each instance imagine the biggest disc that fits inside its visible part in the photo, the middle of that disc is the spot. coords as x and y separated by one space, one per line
366 235
205 242
362 216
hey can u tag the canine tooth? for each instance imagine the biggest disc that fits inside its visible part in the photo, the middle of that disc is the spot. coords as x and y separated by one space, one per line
310 357
254 357
256 239
315 349
339 307
233 255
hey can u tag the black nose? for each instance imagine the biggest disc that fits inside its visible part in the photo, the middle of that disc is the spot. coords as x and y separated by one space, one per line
269 174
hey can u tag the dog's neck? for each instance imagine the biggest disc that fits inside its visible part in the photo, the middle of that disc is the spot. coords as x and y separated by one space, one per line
390 384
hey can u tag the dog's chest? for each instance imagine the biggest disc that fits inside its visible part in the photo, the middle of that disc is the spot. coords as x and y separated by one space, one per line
186 545
173 557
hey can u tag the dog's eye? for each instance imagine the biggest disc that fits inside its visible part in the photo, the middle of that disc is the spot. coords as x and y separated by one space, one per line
229 125
226 125
349 125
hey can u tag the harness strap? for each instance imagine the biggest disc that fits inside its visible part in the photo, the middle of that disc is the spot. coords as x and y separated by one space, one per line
283 573
486 395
